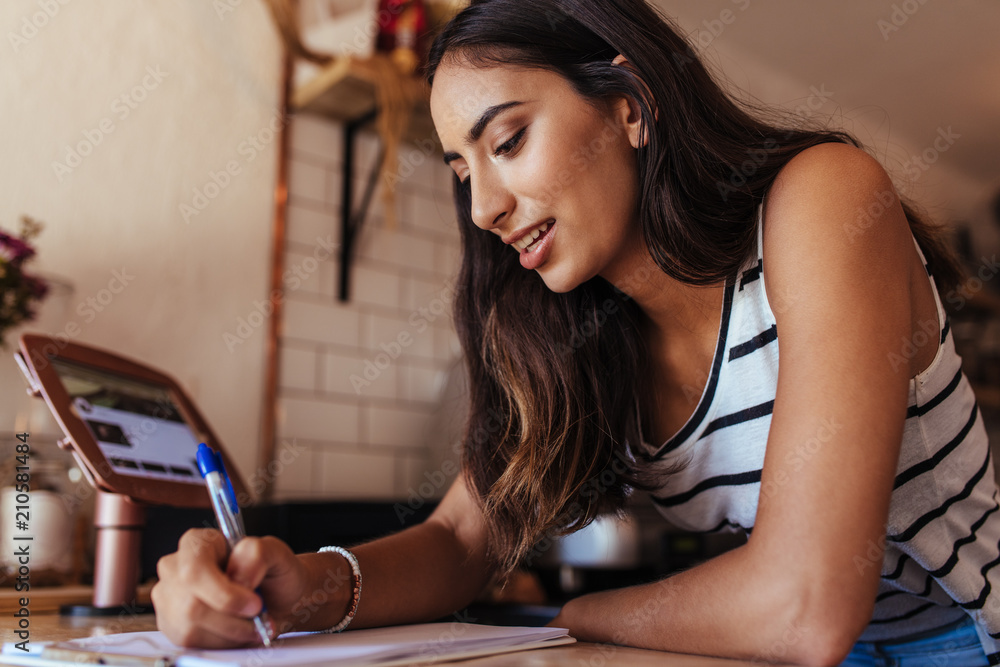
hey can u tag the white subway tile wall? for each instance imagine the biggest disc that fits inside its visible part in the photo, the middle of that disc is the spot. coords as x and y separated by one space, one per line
360 382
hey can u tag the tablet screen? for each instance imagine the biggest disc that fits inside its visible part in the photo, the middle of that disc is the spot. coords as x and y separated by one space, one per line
136 423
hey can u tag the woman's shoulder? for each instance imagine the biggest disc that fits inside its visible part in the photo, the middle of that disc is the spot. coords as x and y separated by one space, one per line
833 226
827 190
824 171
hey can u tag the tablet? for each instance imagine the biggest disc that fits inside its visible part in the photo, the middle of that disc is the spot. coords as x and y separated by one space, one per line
131 427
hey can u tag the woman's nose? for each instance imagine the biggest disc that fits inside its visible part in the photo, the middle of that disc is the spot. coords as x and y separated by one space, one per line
491 203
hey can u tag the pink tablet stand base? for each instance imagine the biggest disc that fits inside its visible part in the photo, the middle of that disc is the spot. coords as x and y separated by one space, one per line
119 523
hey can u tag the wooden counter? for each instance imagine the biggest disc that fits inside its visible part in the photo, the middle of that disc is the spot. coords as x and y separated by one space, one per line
52 627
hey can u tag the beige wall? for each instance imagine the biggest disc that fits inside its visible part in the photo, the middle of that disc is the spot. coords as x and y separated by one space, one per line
161 95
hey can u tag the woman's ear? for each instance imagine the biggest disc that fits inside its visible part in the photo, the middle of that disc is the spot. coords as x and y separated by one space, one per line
629 107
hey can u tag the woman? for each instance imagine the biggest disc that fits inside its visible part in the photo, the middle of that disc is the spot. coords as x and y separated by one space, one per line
616 209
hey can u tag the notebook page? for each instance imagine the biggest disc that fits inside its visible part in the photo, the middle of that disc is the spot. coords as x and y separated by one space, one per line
427 642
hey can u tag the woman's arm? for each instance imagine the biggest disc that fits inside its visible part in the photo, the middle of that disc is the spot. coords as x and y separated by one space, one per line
421 573
795 591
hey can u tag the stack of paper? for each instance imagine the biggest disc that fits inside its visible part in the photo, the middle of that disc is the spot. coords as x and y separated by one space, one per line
400 645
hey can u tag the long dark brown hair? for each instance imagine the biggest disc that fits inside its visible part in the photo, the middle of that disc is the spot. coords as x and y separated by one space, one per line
556 379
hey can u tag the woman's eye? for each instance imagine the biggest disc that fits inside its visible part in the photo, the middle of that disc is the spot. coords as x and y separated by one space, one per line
503 149
510 144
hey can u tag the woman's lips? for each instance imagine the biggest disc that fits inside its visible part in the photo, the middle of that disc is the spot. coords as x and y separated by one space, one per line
536 253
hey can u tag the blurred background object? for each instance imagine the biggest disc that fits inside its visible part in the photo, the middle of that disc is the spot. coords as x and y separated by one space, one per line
974 310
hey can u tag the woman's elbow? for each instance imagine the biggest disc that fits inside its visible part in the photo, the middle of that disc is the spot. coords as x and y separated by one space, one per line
831 635
823 626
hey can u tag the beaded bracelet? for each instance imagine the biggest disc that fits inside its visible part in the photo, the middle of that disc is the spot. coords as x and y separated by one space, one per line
356 598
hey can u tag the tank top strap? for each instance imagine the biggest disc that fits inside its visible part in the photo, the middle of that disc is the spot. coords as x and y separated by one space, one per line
942 315
760 228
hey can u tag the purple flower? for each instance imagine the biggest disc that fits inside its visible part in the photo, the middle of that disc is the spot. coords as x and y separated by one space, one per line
14 249
20 292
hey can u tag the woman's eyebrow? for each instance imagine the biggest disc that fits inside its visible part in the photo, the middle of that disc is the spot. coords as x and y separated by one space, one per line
480 127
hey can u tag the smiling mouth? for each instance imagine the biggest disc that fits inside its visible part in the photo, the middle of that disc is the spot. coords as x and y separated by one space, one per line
530 241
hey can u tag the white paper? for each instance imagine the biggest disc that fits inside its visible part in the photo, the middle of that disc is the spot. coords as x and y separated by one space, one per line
411 644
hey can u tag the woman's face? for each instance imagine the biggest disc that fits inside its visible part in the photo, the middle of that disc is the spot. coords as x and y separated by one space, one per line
543 162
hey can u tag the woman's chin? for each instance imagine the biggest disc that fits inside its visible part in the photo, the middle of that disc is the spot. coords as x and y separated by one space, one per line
558 281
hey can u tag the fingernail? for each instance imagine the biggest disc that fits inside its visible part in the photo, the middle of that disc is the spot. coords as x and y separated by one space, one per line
251 608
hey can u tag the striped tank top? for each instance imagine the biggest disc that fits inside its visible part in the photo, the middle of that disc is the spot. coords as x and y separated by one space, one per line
942 545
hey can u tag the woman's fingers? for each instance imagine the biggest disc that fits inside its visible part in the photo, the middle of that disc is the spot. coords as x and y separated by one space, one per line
190 622
196 603
268 565
256 558
202 553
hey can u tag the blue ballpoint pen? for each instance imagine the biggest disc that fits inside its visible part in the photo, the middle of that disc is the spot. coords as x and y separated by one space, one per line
227 512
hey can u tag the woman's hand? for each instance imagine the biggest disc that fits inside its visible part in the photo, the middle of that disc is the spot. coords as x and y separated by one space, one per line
199 604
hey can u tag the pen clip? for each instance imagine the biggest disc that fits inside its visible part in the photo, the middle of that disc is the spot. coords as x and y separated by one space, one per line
227 486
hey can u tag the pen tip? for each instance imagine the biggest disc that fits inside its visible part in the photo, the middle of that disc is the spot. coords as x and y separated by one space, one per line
265 629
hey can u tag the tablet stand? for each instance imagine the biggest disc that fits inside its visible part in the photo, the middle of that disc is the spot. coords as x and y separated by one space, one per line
119 523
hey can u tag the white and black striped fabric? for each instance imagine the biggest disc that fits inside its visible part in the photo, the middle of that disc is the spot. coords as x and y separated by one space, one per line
942 546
